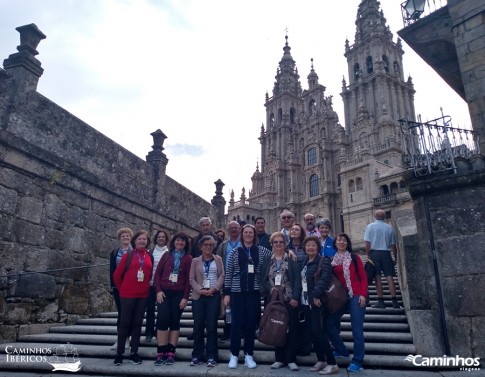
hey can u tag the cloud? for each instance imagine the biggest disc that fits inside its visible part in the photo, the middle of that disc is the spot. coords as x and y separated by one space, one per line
185 149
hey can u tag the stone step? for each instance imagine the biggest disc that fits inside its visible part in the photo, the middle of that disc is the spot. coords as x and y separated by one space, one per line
263 355
94 366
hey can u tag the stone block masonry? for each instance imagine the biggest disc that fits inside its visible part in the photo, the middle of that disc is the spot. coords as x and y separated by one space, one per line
65 189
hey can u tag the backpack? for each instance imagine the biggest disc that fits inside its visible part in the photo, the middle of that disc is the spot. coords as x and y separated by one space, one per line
128 262
274 322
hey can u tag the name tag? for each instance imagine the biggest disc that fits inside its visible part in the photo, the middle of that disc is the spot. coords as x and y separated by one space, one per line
140 276
206 284
174 278
277 279
250 268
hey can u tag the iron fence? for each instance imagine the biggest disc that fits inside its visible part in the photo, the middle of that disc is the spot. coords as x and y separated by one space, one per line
433 146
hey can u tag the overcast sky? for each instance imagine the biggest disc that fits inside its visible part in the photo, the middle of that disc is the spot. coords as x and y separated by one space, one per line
198 70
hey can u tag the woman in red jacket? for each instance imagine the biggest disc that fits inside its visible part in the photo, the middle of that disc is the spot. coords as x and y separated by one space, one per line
132 279
350 271
173 288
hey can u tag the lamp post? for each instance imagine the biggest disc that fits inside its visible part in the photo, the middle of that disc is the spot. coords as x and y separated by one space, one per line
413 9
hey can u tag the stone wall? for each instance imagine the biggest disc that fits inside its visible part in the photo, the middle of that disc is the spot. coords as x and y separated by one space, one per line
442 250
65 189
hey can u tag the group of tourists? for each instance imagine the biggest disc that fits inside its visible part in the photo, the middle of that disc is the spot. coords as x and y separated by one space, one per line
228 278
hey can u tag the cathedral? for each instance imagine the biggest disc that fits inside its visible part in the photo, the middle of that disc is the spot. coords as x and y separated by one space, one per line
310 163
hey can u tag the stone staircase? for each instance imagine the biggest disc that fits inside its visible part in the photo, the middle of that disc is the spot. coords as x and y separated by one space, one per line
387 337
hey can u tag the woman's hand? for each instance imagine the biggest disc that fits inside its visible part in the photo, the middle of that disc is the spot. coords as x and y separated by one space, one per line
317 302
227 300
293 303
183 303
160 297
362 301
292 255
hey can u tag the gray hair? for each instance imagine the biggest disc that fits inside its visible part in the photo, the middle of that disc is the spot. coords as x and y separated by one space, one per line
204 219
324 221
206 238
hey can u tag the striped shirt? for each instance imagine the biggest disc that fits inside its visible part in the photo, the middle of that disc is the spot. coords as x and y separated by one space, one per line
237 278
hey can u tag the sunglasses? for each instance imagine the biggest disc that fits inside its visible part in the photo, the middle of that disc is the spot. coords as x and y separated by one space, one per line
286 217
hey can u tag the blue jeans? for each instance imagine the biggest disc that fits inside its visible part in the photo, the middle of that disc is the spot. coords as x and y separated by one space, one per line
332 324
206 313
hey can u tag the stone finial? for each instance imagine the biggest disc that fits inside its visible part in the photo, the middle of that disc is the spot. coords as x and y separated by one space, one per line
23 65
219 202
156 157
219 185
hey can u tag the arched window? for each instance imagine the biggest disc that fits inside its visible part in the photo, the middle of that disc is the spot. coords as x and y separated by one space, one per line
384 190
351 185
358 184
385 62
402 186
280 116
369 64
292 115
248 217
396 68
314 185
311 106
356 71
394 188
312 156
271 120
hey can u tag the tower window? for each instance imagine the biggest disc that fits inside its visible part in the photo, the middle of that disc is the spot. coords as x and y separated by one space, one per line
356 71
312 106
369 64
351 186
292 115
314 185
312 156
385 62
280 116
358 184
271 120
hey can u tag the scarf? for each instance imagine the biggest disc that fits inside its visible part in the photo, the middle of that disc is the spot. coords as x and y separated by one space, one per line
344 260
177 256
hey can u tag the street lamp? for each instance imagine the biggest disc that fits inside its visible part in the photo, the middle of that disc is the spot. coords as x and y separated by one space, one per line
413 8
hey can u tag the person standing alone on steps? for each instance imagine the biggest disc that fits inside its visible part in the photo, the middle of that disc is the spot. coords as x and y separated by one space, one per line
380 241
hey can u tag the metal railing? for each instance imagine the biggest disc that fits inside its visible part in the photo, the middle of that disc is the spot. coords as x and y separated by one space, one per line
411 16
433 146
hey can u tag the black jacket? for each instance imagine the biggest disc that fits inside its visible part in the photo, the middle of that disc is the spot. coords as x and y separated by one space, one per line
293 276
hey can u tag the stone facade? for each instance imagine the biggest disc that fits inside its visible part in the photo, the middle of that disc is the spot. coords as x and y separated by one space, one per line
310 163
65 189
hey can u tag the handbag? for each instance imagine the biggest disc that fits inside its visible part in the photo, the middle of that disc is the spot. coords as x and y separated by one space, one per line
274 322
336 295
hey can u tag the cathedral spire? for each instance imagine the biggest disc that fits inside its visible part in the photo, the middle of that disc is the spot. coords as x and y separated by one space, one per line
287 78
312 78
370 21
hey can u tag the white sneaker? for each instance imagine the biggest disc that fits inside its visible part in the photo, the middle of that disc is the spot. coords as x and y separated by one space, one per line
232 362
127 344
293 367
115 346
249 361
329 369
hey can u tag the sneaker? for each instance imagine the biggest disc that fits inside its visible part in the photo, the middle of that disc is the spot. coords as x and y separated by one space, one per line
161 359
249 361
232 362
354 367
277 365
339 355
211 363
329 369
293 367
115 346
379 304
195 362
118 359
135 358
395 304
170 358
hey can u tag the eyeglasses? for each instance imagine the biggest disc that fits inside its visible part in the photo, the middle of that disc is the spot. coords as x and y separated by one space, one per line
278 242
207 245
286 217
